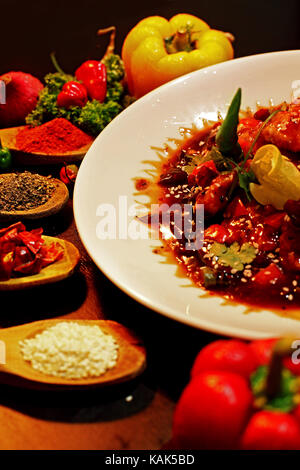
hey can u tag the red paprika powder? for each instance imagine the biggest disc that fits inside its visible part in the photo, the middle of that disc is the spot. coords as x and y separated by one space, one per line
54 137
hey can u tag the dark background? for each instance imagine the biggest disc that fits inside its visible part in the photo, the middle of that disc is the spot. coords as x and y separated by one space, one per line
30 30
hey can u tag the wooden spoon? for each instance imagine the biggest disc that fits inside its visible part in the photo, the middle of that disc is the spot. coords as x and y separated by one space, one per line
8 139
55 272
54 204
131 356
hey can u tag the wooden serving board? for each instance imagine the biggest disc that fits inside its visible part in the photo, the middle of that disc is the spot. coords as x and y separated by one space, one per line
8 139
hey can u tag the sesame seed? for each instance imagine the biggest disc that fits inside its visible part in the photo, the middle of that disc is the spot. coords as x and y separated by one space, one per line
247 272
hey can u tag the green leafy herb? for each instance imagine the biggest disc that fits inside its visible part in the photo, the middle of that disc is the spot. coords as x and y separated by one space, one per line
245 178
235 256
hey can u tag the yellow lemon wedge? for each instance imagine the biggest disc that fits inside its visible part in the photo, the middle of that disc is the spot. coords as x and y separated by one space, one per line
278 177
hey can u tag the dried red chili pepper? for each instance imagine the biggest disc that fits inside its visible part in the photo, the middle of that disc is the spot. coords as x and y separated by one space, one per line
24 252
68 174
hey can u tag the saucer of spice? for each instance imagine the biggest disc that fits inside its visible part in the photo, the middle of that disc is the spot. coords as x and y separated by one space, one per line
56 141
30 196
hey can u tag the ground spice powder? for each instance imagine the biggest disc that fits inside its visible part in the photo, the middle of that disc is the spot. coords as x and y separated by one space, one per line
24 191
54 137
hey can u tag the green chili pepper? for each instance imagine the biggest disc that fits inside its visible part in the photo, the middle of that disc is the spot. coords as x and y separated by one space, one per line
227 137
5 158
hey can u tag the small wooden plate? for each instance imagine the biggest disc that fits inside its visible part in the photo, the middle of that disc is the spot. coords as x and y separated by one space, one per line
57 201
8 139
130 363
55 272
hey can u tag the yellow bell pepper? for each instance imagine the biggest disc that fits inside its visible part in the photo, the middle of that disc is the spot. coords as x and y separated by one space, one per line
156 51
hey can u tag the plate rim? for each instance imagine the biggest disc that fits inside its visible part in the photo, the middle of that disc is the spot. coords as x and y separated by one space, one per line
167 311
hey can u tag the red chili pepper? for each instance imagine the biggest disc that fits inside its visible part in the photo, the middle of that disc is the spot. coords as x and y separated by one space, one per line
68 174
92 74
228 405
72 94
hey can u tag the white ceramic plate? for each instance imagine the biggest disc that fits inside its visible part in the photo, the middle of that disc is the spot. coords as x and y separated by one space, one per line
119 154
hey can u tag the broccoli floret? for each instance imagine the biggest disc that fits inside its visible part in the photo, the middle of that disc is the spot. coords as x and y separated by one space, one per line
114 68
95 116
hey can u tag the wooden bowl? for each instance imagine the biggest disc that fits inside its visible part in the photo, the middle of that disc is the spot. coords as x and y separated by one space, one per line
54 204
8 139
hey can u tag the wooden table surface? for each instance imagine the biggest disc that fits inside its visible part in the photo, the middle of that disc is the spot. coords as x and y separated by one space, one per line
137 415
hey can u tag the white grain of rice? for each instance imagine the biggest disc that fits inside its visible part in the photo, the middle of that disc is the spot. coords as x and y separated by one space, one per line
71 350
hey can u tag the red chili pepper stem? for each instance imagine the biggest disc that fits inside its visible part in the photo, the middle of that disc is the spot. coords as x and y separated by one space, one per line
55 63
282 349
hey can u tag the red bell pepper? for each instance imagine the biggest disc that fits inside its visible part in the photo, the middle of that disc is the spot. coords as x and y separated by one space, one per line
231 402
